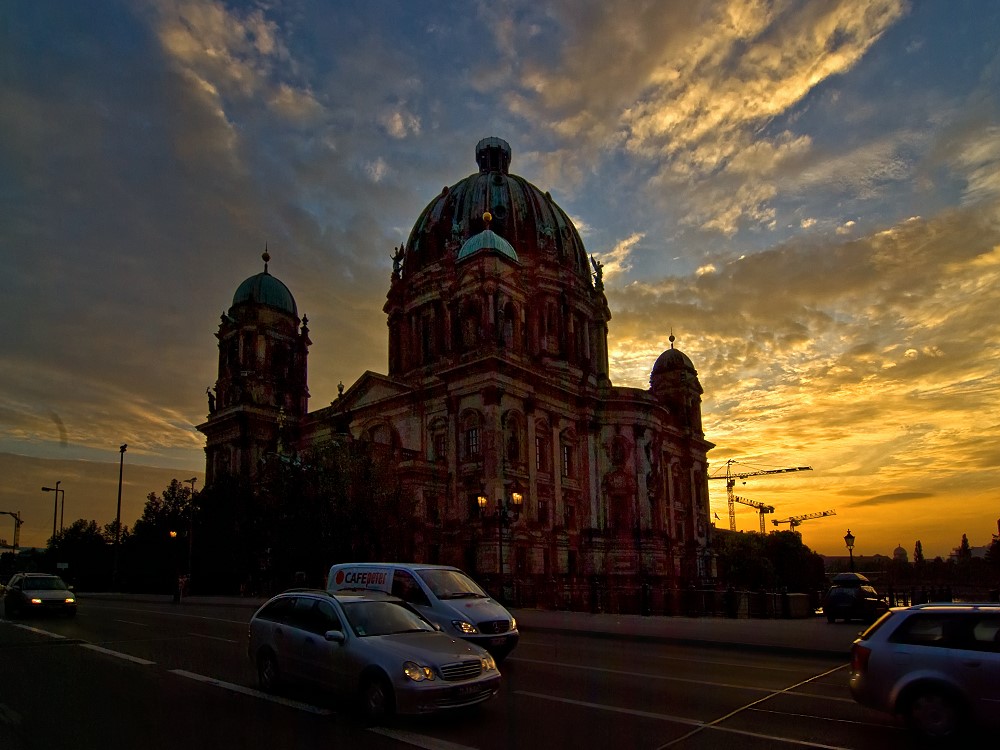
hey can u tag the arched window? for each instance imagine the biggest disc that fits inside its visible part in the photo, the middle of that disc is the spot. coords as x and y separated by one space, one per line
471 436
438 442
543 446
513 439
471 328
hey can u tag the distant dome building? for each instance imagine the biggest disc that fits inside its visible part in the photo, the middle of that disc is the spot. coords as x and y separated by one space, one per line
498 388
900 555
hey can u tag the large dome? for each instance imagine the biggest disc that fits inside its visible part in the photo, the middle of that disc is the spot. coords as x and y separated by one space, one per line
523 215
265 289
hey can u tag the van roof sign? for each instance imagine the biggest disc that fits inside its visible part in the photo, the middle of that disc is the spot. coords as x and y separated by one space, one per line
362 577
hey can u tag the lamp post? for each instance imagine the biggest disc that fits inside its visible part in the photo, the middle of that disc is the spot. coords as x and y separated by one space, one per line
504 514
190 481
55 506
849 541
118 514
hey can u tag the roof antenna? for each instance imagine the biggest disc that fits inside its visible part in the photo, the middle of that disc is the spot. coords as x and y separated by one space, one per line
671 338
266 256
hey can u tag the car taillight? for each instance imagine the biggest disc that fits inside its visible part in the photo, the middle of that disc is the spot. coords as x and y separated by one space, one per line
859 658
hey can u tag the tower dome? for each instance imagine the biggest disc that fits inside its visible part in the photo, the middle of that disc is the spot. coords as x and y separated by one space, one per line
521 214
265 289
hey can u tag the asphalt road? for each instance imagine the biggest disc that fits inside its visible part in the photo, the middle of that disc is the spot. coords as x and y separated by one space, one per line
153 675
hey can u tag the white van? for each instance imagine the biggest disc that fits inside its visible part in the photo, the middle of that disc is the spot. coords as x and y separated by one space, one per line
443 594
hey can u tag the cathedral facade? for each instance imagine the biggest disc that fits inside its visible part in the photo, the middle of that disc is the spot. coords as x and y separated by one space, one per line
527 467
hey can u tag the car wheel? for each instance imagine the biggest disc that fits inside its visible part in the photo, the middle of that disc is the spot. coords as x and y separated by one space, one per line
377 702
933 713
268 675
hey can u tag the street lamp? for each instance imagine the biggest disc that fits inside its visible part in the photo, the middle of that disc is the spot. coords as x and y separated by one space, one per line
55 506
849 541
118 514
190 481
504 514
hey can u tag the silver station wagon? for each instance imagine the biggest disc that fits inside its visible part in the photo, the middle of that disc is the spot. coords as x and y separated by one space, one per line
370 649
935 665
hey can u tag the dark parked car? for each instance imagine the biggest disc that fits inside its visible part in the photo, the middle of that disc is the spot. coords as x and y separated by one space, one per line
852 597
935 665
36 593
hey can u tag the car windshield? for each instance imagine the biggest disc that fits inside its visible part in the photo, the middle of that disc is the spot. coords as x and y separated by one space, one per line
369 618
451 584
43 584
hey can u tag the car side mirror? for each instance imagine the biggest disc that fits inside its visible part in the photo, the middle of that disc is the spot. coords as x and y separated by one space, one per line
335 636
437 627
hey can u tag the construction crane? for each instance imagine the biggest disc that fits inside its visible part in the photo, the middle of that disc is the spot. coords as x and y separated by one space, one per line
731 477
762 508
17 526
794 521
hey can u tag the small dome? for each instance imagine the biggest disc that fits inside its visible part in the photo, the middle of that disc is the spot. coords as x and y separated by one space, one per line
486 240
264 289
672 360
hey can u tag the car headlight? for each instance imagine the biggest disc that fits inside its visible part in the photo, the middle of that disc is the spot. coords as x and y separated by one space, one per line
417 672
36 600
489 663
70 600
513 624
465 627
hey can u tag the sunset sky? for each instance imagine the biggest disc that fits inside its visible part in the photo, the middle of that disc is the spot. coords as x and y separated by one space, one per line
806 193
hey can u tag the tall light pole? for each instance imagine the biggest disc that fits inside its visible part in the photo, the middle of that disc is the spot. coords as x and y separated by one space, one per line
55 506
504 514
118 514
849 541
190 481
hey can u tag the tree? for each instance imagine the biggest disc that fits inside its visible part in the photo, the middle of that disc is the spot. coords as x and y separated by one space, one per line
964 551
84 548
918 554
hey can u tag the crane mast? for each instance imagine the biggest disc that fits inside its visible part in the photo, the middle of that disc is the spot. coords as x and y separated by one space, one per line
731 476
762 508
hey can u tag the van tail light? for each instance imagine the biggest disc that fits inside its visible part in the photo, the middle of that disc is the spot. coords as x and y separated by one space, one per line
859 658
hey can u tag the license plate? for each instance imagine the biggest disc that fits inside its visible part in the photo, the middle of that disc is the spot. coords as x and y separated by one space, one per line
497 641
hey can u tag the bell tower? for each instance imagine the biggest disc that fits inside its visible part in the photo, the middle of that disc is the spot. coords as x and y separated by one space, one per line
261 394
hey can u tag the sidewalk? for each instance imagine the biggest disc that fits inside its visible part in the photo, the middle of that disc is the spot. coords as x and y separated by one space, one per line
808 636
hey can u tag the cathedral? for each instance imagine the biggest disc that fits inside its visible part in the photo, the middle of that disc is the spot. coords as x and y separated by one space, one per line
526 466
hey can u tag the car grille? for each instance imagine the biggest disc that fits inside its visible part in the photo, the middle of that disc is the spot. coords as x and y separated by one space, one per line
492 627
463 670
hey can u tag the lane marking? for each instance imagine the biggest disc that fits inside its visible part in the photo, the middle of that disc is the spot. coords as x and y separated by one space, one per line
119 654
179 614
39 631
213 637
664 678
410 738
419 740
243 690
130 622
614 709
825 718
714 724
699 725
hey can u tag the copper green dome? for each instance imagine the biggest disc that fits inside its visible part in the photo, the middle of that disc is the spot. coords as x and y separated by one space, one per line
523 216
265 289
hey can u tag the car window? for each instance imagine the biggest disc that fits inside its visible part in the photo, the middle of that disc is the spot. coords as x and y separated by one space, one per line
921 629
451 584
278 610
964 630
44 583
406 588
371 618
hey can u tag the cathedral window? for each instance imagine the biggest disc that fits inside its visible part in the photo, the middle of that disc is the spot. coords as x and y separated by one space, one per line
472 442
568 469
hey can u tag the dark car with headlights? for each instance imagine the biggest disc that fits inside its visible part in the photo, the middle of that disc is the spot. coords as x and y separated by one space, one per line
37 593
372 650
852 597
937 666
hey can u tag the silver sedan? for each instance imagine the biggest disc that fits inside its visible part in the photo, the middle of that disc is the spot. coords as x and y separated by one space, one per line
371 649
